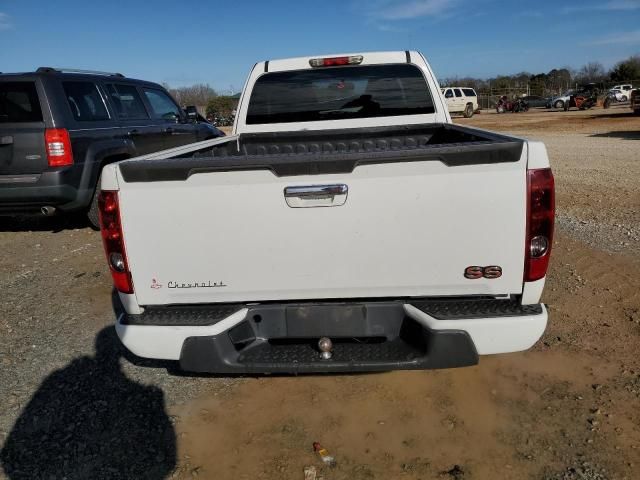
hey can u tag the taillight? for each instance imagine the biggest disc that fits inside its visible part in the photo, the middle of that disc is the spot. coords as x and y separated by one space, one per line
111 229
336 61
540 219
58 145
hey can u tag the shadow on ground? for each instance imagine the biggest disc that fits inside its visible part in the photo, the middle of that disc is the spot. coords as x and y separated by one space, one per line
89 421
40 223
625 135
616 113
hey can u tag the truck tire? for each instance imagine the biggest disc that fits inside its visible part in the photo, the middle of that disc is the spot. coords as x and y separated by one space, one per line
92 214
558 104
468 111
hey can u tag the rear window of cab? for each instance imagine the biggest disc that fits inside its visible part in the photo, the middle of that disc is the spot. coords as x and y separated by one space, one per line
337 93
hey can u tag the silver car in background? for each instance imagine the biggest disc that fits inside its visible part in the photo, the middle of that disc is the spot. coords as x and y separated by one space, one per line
560 100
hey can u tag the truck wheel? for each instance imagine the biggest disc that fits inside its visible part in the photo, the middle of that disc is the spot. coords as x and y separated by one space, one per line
468 111
92 213
623 98
559 104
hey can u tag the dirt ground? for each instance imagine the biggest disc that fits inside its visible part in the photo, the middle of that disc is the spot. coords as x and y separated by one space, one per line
568 409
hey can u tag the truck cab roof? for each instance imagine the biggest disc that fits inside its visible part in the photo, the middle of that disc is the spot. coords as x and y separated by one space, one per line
278 89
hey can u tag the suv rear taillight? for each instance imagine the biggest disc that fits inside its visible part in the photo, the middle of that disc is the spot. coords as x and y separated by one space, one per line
58 147
111 229
540 218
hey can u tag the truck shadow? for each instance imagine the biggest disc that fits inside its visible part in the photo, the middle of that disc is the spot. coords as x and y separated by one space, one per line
39 223
88 420
624 135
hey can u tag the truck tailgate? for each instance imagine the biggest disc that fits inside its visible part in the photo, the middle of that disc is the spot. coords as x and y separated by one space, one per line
384 230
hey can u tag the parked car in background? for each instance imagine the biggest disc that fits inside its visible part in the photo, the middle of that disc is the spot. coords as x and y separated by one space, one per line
625 88
462 100
619 95
58 128
377 222
559 101
535 101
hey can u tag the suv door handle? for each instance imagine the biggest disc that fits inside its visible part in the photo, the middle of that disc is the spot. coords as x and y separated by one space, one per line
133 133
169 131
6 140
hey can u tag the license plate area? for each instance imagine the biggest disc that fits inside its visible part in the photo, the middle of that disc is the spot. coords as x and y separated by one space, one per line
326 320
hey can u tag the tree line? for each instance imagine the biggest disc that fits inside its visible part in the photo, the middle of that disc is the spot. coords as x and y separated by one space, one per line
205 98
210 103
555 81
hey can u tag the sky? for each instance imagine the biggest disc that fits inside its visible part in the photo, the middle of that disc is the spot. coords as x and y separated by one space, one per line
217 42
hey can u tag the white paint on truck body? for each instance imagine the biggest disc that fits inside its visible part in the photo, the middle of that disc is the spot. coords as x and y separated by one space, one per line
406 229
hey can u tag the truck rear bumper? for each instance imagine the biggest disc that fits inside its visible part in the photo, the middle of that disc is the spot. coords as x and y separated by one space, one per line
367 336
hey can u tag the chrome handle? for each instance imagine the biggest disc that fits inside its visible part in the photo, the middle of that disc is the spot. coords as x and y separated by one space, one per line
6 140
316 191
306 196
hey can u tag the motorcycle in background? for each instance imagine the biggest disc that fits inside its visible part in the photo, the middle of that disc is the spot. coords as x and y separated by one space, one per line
520 105
515 106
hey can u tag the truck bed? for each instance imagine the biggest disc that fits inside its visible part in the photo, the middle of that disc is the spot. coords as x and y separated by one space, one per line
332 151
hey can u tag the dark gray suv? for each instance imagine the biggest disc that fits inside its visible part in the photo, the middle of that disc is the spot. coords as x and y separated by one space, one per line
58 128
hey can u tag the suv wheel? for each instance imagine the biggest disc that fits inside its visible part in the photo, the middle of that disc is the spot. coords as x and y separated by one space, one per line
559 104
92 213
468 111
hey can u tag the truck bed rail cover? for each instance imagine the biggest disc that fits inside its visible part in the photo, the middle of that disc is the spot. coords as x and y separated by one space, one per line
332 151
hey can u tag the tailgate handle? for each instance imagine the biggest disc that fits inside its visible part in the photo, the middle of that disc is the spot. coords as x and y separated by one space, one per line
316 195
6 140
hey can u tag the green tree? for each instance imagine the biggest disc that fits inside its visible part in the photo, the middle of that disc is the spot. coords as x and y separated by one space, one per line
221 106
628 69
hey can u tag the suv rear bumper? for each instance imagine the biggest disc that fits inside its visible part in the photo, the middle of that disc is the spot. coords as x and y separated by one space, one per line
368 336
30 192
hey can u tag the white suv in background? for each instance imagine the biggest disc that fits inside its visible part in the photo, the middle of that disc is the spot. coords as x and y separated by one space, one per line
461 100
622 92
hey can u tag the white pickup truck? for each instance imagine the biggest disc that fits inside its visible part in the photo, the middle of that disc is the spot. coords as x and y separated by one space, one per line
345 225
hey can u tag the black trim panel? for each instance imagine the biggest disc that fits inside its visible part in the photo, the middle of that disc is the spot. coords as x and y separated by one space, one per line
334 151
408 56
463 309
192 315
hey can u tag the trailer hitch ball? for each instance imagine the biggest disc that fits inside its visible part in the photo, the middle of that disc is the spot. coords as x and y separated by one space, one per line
326 346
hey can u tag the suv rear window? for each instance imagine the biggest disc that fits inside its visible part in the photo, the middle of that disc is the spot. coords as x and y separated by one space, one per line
469 92
19 102
85 101
339 93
